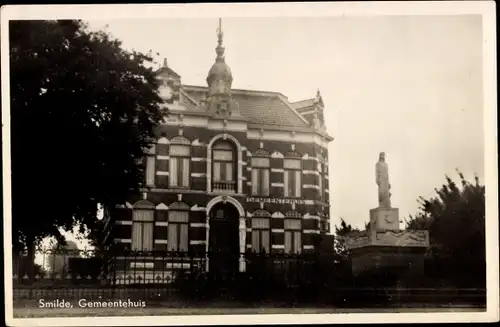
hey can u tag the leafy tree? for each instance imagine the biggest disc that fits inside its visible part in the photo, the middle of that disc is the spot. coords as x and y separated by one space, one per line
344 228
340 237
83 112
455 218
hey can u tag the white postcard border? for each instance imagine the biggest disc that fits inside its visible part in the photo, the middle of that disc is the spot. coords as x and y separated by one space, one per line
89 12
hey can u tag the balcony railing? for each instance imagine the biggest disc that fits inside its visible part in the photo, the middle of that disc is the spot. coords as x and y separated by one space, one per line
224 186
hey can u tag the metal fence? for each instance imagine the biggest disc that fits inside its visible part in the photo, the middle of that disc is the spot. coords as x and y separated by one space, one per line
186 278
85 267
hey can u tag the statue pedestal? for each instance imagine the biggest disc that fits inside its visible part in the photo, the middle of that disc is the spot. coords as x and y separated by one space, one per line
386 247
384 218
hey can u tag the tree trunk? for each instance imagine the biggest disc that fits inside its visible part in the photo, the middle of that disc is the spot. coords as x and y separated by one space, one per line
30 245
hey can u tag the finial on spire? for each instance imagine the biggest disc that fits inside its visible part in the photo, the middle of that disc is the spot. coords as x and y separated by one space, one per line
219 31
220 49
318 99
165 63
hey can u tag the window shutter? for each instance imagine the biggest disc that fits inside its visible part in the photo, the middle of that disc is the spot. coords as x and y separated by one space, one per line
147 236
150 171
298 183
173 172
255 240
298 242
229 172
184 237
265 241
217 171
185 172
288 242
136 236
255 181
172 237
265 182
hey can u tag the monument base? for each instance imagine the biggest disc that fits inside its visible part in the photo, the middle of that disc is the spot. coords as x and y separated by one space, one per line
385 253
384 218
391 263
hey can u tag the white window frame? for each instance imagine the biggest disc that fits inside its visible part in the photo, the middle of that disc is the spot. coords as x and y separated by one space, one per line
143 230
292 166
260 167
150 166
261 226
293 231
176 224
179 166
218 161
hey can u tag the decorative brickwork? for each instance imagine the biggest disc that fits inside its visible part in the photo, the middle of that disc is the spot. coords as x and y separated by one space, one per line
203 157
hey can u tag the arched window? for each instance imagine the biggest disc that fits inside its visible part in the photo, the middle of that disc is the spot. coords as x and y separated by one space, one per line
260 173
261 236
178 227
143 226
293 232
180 156
292 178
224 166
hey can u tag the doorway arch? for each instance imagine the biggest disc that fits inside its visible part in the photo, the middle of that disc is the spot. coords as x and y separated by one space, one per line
224 238
225 234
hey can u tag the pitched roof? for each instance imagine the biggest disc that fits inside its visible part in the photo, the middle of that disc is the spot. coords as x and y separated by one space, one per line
259 107
167 71
302 104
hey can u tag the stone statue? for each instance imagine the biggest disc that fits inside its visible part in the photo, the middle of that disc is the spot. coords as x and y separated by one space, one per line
382 179
316 123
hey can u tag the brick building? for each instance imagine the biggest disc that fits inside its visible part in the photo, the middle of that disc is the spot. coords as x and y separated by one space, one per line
232 170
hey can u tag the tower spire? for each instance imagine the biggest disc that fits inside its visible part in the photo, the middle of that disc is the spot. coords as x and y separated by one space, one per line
220 49
219 77
219 31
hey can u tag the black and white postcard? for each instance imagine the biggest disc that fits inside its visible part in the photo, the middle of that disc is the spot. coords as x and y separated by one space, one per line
265 163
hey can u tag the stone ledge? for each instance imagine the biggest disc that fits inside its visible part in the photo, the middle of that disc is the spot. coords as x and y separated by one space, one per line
397 238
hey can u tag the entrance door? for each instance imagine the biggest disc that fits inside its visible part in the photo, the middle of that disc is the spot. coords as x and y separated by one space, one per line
224 239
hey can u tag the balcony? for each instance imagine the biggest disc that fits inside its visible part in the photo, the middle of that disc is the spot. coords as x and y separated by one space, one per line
224 186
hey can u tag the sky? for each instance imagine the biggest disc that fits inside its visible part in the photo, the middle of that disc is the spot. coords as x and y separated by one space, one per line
410 86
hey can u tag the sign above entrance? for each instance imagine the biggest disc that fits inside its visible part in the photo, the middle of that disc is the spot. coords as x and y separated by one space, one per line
276 200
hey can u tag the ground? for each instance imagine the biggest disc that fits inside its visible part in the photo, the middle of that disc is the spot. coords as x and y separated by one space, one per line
30 312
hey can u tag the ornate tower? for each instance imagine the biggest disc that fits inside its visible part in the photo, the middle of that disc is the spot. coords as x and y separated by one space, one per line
219 100
219 77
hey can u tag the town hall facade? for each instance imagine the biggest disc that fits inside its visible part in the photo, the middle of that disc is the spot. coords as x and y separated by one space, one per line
232 171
